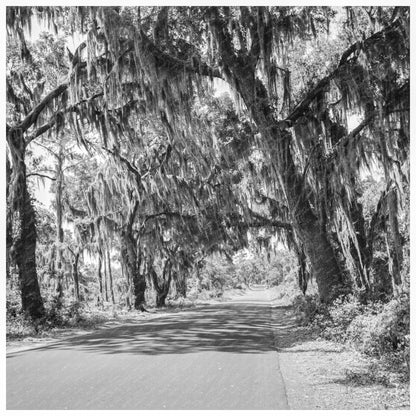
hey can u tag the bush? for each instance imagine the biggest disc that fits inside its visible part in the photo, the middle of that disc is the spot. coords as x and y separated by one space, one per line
337 317
18 327
383 329
13 304
377 329
307 308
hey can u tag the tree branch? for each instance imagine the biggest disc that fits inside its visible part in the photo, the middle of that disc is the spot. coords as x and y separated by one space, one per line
52 121
169 62
31 118
41 175
303 106
259 221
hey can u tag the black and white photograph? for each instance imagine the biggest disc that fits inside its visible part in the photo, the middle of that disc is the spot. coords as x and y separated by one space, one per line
207 207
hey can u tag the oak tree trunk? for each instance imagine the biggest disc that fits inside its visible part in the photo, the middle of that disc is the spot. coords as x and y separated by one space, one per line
100 279
110 275
25 246
75 274
132 264
181 286
314 240
59 229
105 276
162 285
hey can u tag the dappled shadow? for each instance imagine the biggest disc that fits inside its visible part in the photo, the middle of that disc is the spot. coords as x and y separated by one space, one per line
235 327
287 332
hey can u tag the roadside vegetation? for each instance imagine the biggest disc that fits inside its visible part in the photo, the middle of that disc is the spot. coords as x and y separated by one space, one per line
216 277
186 152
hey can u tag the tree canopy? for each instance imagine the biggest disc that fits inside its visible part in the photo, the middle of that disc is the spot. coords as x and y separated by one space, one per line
216 123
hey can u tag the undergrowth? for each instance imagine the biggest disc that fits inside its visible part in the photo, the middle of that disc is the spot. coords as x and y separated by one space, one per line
58 315
378 330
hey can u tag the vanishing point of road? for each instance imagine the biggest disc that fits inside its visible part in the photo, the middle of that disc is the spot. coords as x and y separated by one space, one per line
218 356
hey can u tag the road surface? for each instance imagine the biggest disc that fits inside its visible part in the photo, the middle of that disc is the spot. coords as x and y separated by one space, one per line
218 356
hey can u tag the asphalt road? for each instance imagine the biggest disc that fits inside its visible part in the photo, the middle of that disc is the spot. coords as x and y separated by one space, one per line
215 357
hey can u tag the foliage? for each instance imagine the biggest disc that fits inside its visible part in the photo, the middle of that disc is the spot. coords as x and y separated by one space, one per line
173 171
383 329
248 267
376 329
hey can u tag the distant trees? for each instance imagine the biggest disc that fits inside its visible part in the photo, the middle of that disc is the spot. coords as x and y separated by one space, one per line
247 267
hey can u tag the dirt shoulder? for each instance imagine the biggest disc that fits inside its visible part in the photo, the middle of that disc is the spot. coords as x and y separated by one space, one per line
324 375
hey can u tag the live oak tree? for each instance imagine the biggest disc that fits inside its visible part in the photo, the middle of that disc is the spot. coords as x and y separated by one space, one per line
157 61
244 48
26 81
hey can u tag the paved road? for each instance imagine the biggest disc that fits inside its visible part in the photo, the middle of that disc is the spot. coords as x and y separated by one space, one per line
216 357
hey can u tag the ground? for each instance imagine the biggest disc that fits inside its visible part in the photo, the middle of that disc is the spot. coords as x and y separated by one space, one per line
317 374
320 374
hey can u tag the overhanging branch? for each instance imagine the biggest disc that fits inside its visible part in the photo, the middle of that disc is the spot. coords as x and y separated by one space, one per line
303 106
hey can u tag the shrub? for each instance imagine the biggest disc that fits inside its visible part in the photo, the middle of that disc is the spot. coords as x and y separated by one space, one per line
376 329
335 319
307 308
383 329
19 326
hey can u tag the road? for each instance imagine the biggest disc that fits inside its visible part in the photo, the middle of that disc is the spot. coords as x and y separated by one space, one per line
218 356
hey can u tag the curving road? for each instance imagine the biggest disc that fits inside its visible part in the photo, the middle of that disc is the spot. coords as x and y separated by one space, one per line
214 357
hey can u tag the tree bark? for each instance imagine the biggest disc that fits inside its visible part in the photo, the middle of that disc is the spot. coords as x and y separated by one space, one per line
181 285
397 249
132 264
25 246
104 255
75 274
100 279
9 223
317 247
127 285
110 275
314 240
162 286
59 229
277 142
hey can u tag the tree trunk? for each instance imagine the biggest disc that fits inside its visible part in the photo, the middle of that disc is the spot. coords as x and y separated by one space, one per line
276 143
317 247
110 275
26 260
59 229
9 223
181 286
75 274
397 249
100 279
162 286
314 240
105 276
127 285
161 299
25 246
132 267
361 254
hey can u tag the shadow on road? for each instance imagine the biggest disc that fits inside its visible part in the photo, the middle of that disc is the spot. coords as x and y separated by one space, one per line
287 331
236 328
